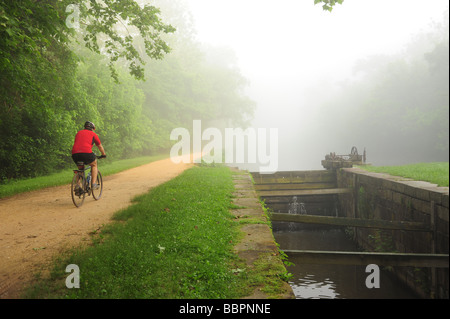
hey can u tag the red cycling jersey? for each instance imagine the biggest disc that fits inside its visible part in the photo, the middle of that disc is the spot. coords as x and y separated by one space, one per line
84 141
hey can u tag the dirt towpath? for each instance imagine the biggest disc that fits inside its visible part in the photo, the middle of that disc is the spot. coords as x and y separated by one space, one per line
37 226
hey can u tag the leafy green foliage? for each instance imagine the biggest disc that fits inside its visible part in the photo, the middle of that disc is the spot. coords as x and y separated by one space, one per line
328 4
121 22
34 67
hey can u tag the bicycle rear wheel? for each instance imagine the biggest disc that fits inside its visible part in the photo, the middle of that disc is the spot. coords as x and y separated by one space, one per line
97 193
78 193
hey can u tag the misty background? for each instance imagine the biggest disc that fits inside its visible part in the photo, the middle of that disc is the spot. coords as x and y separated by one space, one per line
371 74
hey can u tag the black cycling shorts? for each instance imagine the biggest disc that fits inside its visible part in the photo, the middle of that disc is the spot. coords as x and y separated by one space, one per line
86 158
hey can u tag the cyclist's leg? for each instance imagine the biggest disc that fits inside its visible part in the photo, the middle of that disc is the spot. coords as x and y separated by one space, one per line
78 178
94 171
79 183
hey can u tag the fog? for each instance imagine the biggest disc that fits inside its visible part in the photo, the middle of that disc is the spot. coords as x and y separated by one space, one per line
297 57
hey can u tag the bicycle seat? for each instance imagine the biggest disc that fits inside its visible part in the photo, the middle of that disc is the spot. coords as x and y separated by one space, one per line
80 164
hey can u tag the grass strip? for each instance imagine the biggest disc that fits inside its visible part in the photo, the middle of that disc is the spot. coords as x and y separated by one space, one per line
174 242
64 177
436 173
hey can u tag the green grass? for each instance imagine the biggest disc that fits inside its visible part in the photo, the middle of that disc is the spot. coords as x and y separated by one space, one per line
174 242
65 177
436 173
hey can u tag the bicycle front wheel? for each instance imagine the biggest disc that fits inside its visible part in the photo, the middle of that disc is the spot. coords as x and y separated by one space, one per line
78 193
97 193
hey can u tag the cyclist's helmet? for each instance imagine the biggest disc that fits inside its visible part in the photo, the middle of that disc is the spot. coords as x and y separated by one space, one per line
89 126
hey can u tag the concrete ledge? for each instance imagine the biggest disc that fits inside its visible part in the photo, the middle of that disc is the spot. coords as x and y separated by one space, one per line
257 244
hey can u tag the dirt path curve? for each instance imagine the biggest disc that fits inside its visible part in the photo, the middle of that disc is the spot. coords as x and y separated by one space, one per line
36 226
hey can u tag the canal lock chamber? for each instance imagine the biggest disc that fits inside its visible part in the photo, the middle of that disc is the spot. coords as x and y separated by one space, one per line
316 198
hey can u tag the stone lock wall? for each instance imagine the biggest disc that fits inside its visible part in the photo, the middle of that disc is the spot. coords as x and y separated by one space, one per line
381 196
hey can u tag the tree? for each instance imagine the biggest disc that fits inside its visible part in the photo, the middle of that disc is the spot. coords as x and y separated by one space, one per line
328 4
109 27
117 24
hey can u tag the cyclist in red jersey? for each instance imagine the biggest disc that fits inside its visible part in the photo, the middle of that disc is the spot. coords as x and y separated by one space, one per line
82 149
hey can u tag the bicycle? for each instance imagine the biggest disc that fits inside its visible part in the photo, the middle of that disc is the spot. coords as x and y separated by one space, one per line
82 185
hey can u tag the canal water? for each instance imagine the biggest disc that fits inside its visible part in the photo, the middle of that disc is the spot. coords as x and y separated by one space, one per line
316 281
